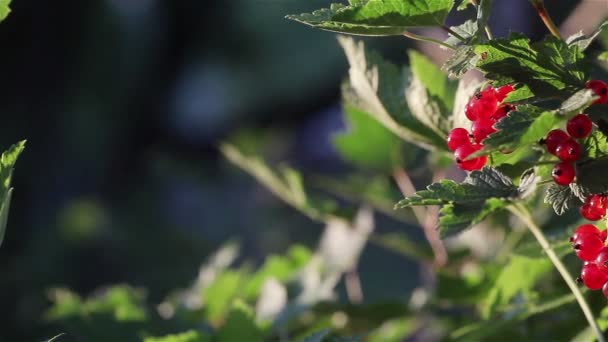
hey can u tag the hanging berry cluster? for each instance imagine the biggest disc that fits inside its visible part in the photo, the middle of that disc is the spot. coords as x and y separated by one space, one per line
588 242
484 109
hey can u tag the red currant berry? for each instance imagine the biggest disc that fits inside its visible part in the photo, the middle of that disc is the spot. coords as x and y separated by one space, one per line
597 201
603 235
563 173
592 213
554 138
587 247
482 105
458 137
579 126
463 152
568 151
602 259
592 277
482 128
605 290
501 112
585 229
600 88
502 92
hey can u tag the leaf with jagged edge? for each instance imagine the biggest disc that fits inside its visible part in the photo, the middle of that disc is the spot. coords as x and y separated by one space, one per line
379 88
7 164
578 102
583 42
562 198
461 61
549 68
377 17
4 9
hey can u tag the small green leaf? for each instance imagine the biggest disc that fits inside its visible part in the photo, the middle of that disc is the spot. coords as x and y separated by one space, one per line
378 17
367 143
187 336
378 88
578 102
561 198
4 9
461 61
549 68
583 42
603 56
596 145
518 277
240 325
7 164
439 87
220 294
467 30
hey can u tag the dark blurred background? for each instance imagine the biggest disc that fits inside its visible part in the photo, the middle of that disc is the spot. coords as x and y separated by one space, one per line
123 103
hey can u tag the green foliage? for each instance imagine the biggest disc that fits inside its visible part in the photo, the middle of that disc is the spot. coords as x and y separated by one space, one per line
187 336
7 164
547 69
377 17
4 9
240 325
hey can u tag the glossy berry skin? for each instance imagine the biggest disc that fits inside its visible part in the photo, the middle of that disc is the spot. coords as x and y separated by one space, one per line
591 213
501 112
587 247
482 128
463 152
579 126
603 235
602 259
563 173
605 290
586 229
593 277
482 105
458 137
568 151
600 88
502 92
554 138
597 201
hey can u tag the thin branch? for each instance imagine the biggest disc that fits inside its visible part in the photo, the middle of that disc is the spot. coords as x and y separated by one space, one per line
427 39
453 33
524 215
539 5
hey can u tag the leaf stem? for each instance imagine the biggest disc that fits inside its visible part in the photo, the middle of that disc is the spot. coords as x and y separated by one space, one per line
539 5
524 215
427 39
453 33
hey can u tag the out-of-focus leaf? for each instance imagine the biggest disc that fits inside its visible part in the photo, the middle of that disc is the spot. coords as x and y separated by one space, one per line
4 9
240 325
7 164
187 336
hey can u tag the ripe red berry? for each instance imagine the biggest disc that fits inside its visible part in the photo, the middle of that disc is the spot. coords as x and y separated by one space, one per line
600 88
502 92
602 259
554 138
579 126
482 105
501 112
588 246
597 201
593 277
568 151
482 128
463 152
591 213
563 173
605 290
458 137
603 235
585 229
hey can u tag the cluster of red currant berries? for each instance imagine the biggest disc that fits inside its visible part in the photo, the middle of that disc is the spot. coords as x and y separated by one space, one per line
588 242
484 109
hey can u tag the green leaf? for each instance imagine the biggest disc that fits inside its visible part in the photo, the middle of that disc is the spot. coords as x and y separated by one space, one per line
461 61
378 88
4 9
583 42
603 56
591 178
187 336
240 325
578 102
560 245
464 5
518 277
562 198
439 87
317 336
220 294
596 145
549 68
378 17
367 143
467 30
467 203
7 164
522 127
394 330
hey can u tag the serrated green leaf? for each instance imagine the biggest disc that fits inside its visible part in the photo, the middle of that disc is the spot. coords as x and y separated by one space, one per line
518 277
467 30
240 325
378 17
7 164
440 88
596 145
549 68
528 182
455 217
461 61
522 127
561 198
578 102
379 89
4 9
583 42
367 143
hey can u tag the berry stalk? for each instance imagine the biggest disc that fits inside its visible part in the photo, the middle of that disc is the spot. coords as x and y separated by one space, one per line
539 5
524 215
